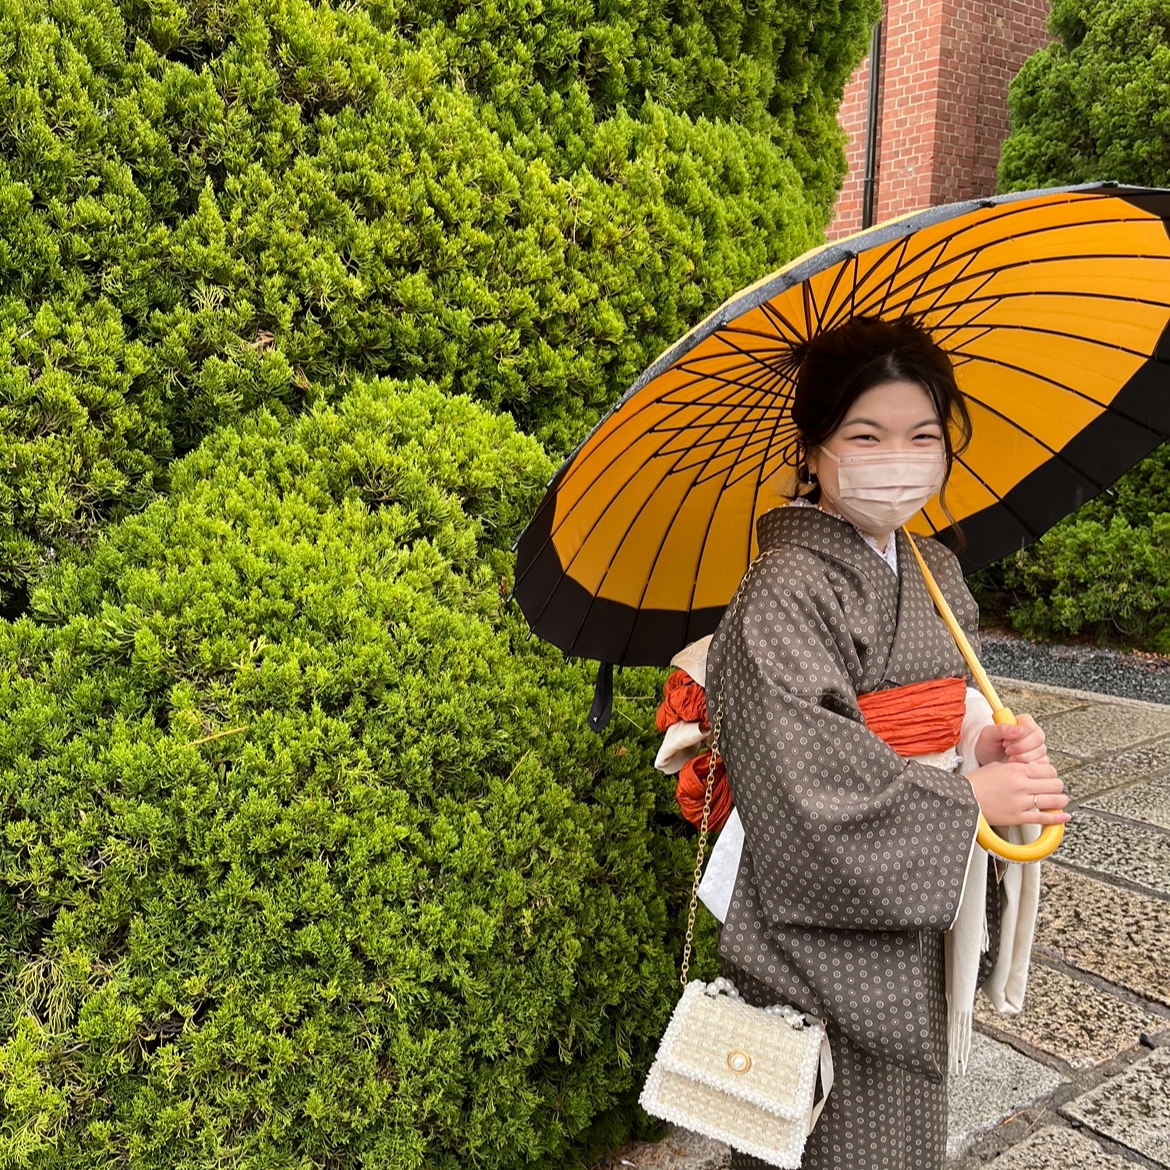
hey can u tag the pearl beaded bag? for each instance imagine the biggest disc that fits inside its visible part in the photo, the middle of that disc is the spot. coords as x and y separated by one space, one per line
742 1075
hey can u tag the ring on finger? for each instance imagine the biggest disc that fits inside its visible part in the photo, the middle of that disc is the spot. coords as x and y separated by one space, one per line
1035 806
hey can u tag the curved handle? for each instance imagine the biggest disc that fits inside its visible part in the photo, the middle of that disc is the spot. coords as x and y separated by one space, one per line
1050 836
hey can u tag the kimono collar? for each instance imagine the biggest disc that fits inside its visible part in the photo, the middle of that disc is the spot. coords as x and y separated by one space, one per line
828 536
904 597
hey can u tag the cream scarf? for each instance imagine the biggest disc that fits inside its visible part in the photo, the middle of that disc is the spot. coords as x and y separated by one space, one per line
1019 893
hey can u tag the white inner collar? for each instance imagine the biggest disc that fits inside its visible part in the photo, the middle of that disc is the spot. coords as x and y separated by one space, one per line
890 556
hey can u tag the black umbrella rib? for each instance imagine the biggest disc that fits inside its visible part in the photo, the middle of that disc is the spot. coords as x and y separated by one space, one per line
723 380
706 426
1001 500
894 272
870 294
931 266
751 356
1047 332
565 568
833 292
998 268
1005 209
657 554
709 442
1075 293
631 416
770 311
1104 406
978 250
852 289
550 501
962 274
1052 451
934 528
703 549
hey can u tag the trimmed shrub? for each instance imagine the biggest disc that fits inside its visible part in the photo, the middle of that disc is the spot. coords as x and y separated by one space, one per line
209 209
1106 578
306 860
1094 105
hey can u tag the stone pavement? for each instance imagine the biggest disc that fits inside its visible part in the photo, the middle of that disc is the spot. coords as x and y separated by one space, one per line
1080 1080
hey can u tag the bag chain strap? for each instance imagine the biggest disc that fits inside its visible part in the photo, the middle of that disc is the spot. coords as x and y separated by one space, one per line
733 607
703 828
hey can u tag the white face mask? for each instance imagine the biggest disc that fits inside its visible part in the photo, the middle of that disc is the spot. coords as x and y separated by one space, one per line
879 491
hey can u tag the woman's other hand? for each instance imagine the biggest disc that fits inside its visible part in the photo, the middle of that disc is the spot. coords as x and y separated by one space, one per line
1022 742
1020 794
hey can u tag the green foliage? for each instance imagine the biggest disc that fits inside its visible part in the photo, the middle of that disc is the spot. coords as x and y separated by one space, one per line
1111 579
209 209
773 68
305 858
1095 105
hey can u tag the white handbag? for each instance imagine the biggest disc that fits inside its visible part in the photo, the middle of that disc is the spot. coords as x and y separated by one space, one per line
742 1075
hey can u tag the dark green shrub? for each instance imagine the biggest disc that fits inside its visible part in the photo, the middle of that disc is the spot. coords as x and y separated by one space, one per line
306 859
209 209
774 68
1094 105
1109 579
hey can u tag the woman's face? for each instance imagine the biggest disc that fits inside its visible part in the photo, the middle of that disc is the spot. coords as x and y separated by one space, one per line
889 417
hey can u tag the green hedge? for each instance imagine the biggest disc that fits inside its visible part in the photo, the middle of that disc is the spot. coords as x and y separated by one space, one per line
306 859
209 209
1095 105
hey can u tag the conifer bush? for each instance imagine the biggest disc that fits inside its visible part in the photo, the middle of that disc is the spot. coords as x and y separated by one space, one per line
305 860
1095 104
207 209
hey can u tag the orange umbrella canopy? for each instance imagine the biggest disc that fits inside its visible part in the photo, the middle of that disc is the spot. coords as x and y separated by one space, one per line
1054 307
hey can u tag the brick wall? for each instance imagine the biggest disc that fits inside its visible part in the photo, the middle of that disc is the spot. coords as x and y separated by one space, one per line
942 111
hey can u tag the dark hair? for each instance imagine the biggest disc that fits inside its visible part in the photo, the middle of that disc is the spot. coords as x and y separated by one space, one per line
840 364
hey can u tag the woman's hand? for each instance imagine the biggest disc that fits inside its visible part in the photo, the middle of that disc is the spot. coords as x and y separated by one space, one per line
1006 743
1020 794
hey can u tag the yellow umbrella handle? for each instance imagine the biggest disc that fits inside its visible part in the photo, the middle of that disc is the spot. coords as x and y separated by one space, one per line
1052 835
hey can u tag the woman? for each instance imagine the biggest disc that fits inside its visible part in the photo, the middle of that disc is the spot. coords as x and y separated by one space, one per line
855 857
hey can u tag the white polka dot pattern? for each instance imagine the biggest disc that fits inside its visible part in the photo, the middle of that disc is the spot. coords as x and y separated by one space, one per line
854 857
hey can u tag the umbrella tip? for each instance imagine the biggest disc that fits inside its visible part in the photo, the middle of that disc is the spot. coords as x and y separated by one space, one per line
602 709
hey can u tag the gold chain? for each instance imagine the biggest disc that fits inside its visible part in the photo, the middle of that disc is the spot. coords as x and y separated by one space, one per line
703 828
714 759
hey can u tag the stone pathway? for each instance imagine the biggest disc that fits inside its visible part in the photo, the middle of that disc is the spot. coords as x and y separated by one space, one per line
1080 1080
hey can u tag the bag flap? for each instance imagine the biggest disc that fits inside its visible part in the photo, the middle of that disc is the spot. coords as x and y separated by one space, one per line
743 1051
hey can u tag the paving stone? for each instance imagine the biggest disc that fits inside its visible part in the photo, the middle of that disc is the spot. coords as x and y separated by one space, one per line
679 1150
1103 727
1059 1149
1038 704
1132 1109
1120 935
1148 802
1071 1020
1064 765
998 1083
1117 769
1129 851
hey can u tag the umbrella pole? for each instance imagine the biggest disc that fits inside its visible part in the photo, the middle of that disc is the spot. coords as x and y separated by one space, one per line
1051 835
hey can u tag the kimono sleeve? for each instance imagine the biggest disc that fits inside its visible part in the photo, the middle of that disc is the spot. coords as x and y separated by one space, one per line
843 832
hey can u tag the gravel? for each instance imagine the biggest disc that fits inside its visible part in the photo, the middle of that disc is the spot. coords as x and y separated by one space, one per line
1130 674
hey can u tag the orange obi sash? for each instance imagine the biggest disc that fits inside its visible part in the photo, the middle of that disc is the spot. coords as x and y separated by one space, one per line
920 718
915 720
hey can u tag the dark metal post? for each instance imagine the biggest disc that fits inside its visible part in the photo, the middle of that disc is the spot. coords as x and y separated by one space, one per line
871 124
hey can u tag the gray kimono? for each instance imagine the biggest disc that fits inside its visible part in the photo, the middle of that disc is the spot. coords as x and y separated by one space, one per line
854 858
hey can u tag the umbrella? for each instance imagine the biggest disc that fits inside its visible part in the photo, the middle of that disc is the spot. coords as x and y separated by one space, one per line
1054 307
